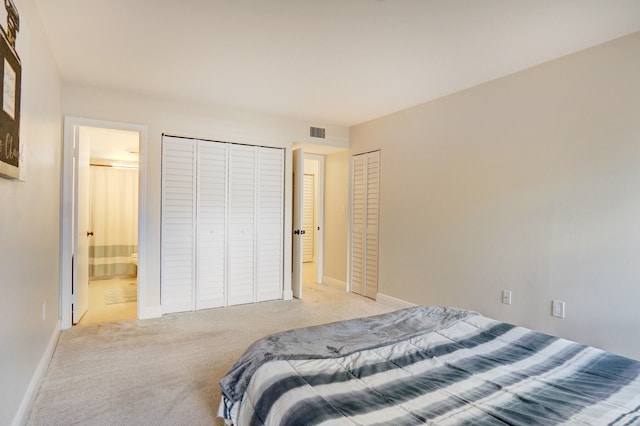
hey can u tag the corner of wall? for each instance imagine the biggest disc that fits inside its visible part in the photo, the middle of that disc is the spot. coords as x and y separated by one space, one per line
393 302
334 282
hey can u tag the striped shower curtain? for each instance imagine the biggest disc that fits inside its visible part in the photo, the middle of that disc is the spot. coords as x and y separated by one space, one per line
113 221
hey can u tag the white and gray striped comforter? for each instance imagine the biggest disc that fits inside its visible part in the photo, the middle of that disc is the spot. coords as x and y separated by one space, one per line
467 370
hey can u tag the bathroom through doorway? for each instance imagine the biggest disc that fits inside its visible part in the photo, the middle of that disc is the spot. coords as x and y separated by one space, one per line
105 212
110 189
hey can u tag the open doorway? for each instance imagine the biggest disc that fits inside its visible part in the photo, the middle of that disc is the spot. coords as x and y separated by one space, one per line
111 258
102 243
313 219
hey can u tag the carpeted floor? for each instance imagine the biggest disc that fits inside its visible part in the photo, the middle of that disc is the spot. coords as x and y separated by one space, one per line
165 371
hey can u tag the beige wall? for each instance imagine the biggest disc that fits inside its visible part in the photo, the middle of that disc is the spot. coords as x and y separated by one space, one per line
528 183
29 224
184 119
336 218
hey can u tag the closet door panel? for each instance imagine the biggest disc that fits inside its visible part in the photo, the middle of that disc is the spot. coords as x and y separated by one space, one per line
242 223
178 215
365 202
211 225
270 225
358 223
371 229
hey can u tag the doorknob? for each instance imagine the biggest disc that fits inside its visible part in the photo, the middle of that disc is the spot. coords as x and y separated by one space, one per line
89 233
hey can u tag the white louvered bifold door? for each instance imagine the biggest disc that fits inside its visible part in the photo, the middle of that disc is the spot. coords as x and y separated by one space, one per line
371 220
211 224
270 251
365 184
241 247
177 261
222 224
358 194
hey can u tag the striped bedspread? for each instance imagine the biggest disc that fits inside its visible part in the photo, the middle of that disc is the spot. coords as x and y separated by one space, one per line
472 371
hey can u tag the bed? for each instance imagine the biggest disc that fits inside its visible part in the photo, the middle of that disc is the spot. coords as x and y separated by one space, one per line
428 365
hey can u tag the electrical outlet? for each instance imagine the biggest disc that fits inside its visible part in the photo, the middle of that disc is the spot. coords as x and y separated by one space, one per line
506 297
557 308
44 310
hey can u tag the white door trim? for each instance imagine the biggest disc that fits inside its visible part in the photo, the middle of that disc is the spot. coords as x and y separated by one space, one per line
296 219
66 211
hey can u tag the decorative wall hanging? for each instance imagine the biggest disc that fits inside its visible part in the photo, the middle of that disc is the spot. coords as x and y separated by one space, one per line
11 73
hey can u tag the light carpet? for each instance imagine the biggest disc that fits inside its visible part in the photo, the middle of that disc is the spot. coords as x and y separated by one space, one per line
166 371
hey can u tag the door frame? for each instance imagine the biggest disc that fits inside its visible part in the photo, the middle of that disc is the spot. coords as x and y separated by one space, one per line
297 201
67 219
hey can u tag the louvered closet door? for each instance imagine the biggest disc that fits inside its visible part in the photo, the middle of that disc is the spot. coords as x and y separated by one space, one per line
270 251
222 224
364 223
308 242
177 260
211 224
241 247
358 194
371 229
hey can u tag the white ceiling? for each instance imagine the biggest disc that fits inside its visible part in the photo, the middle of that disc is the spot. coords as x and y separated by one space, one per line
337 62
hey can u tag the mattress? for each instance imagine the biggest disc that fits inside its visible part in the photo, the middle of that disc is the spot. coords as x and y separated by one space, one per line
428 365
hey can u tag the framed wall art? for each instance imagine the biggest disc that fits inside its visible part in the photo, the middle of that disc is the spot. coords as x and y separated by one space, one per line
11 74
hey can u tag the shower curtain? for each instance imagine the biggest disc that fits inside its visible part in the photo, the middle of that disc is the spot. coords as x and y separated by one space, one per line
113 221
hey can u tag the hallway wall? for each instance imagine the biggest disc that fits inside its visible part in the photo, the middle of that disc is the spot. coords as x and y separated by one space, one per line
336 219
29 226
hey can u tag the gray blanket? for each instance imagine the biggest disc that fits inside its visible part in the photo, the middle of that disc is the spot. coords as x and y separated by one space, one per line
335 340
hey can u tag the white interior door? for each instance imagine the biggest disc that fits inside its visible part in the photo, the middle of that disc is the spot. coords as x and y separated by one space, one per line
298 222
82 232
365 185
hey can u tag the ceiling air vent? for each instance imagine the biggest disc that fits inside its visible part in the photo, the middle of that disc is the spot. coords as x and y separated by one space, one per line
317 132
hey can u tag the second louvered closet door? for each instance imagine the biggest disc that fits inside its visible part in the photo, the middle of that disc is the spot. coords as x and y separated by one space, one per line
365 202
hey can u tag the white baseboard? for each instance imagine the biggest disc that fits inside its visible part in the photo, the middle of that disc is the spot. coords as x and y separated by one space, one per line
36 380
393 302
334 282
149 312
